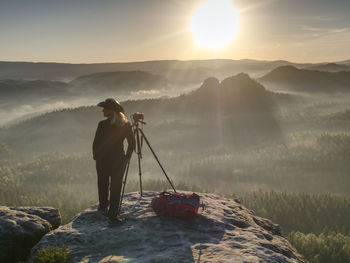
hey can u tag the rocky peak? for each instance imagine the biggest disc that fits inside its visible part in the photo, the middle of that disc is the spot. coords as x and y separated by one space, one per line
208 88
210 82
283 72
239 78
236 88
241 87
22 227
224 231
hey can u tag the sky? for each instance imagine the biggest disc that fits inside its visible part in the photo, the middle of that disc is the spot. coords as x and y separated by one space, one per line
87 31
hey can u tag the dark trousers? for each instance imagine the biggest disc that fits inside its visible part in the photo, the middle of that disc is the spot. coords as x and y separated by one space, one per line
109 180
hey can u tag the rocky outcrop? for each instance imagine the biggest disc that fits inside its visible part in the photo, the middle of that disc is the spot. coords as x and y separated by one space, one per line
22 227
291 78
224 232
50 214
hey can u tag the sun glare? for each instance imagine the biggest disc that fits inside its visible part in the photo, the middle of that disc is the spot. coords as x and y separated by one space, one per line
214 23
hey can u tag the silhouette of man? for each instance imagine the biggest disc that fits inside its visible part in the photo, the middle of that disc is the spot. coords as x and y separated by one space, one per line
111 160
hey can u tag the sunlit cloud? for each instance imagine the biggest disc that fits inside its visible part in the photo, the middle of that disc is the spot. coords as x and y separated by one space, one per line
309 28
319 31
315 18
145 92
341 30
257 5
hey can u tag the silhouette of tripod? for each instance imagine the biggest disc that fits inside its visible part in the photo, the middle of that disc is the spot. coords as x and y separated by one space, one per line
137 119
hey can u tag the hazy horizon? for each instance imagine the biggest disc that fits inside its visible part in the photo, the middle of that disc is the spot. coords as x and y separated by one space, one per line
125 31
181 60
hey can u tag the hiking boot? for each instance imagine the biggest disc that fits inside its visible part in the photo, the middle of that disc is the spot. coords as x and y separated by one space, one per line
103 211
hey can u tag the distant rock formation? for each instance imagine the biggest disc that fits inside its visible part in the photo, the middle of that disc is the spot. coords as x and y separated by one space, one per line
330 67
238 93
22 227
224 232
237 109
311 81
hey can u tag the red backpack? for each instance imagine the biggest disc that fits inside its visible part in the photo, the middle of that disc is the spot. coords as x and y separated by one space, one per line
178 205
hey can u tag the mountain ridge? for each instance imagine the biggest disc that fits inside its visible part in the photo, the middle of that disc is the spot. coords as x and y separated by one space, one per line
121 81
308 80
69 71
237 103
330 67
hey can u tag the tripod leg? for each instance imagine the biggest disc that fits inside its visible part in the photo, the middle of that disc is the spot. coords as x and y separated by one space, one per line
139 160
139 156
124 183
155 156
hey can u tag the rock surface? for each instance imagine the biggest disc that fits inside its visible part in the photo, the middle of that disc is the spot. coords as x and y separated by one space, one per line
21 228
48 213
224 232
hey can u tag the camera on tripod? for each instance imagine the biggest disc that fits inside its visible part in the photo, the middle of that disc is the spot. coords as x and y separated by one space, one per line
139 138
138 117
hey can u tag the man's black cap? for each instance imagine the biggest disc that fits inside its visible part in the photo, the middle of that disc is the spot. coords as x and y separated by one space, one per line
111 104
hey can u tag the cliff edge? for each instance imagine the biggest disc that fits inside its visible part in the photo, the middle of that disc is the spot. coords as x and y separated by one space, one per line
22 227
224 231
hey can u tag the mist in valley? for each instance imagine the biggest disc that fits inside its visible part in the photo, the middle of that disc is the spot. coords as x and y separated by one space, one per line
30 89
19 107
265 142
264 139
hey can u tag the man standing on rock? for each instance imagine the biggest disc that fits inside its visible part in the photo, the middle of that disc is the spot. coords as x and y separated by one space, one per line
111 160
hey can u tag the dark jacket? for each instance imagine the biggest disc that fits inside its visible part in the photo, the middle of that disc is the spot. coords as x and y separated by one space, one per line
108 142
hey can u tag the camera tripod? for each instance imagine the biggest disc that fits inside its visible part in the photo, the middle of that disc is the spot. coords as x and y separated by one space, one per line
140 136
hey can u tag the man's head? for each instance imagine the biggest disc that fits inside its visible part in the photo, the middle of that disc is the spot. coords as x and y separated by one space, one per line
110 106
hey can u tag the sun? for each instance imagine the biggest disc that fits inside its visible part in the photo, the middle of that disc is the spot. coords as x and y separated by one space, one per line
214 23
